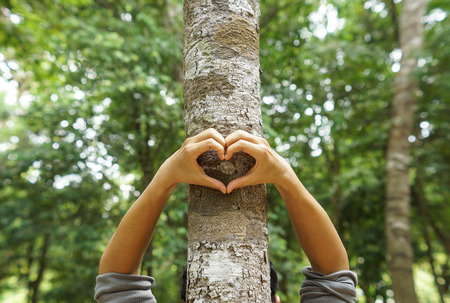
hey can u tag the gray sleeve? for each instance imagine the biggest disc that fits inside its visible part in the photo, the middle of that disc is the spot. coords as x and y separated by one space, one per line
338 287
119 288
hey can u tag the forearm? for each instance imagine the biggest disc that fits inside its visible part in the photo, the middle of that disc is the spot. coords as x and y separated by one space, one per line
127 246
314 229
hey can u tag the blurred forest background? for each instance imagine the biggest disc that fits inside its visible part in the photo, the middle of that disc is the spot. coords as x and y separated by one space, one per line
91 104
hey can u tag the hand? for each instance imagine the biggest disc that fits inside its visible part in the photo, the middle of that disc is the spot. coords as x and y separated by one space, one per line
182 166
269 167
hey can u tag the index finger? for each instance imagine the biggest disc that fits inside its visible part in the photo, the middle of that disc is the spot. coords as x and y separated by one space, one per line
243 135
253 149
199 148
206 134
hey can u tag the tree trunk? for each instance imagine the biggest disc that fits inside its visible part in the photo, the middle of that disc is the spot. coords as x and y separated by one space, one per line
418 196
227 234
397 213
33 286
421 200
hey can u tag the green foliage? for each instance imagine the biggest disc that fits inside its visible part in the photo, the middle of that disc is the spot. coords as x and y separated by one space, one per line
99 108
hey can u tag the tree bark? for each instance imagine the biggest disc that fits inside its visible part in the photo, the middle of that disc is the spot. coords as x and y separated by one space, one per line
397 212
227 234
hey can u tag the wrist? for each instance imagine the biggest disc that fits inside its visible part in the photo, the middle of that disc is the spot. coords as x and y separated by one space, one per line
289 185
286 175
161 186
157 192
166 176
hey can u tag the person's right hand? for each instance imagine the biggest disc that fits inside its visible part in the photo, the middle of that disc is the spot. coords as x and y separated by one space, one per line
270 167
182 166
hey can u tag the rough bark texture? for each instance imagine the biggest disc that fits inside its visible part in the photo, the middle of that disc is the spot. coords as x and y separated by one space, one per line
399 250
227 234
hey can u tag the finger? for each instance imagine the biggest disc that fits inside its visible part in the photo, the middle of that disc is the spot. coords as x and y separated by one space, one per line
242 145
210 182
246 180
199 148
214 183
241 134
206 134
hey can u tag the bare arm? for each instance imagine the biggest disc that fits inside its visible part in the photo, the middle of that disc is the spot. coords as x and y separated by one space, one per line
314 229
127 246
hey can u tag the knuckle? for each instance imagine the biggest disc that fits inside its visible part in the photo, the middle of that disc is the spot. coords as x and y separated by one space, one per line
264 141
211 131
188 149
237 145
210 141
263 149
214 133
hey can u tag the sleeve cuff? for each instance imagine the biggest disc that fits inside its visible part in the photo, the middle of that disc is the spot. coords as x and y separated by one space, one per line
335 287
115 288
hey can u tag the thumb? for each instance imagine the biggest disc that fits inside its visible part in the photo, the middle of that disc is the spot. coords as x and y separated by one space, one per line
240 182
213 183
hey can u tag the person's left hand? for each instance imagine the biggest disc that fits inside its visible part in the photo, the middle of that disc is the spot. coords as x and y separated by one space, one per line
182 166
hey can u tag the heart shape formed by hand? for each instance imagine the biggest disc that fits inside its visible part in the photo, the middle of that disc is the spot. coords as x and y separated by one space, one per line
226 170
228 163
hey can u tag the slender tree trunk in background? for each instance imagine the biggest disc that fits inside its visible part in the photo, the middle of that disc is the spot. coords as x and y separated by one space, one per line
227 234
430 255
418 196
397 213
33 286
421 200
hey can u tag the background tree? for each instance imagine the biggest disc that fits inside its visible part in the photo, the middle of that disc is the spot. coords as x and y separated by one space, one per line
397 217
